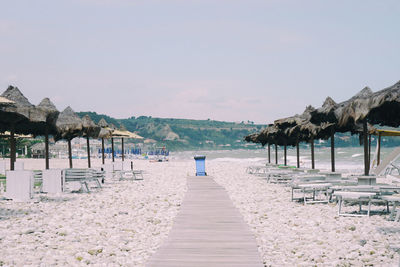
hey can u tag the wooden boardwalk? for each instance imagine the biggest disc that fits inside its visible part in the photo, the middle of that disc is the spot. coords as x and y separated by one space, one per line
208 231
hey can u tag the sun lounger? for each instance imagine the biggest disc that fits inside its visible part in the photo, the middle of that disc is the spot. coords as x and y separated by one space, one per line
395 201
360 198
304 179
84 176
279 177
129 175
257 170
37 175
387 165
315 189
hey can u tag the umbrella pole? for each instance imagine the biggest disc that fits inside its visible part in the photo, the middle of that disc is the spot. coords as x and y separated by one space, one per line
70 153
12 149
312 154
102 150
298 153
269 153
122 148
365 137
88 149
379 149
276 154
46 148
369 150
112 148
333 150
285 154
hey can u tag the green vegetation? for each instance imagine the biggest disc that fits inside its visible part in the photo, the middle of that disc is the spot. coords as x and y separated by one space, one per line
20 145
185 134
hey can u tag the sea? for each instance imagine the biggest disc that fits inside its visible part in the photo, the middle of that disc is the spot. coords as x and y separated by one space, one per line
347 159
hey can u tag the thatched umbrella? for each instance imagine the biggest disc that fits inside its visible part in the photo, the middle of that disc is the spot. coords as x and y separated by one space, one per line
331 112
303 130
105 132
21 117
266 136
69 126
113 128
278 137
123 133
91 130
381 107
254 139
51 116
6 104
284 126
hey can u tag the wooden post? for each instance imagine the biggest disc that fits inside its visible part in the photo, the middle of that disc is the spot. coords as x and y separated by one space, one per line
284 153
88 150
269 153
70 153
312 154
365 137
12 149
46 148
298 153
122 148
333 150
112 148
276 153
102 150
379 149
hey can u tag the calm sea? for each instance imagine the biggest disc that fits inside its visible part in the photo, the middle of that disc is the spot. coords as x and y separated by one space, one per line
349 159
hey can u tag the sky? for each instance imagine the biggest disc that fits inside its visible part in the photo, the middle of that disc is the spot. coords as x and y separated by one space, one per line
207 59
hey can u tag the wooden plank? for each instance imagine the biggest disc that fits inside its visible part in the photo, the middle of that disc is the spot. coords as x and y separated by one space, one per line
208 231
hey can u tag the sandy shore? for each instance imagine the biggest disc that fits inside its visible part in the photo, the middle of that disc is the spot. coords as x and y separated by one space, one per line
125 222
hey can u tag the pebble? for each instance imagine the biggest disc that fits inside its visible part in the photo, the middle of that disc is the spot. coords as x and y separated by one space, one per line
121 224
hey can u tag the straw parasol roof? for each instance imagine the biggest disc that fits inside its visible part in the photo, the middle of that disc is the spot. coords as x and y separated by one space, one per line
382 107
331 112
68 124
105 131
8 134
274 135
252 138
24 117
89 127
304 130
102 123
49 108
126 134
4 101
51 112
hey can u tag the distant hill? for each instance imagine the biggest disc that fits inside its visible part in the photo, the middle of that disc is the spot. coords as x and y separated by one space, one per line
186 134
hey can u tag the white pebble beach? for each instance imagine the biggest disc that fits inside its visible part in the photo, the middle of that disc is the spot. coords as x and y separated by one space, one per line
125 222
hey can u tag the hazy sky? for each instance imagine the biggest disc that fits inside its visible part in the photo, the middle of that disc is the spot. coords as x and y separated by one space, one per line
218 59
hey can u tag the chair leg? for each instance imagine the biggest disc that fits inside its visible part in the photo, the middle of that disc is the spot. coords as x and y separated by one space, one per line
340 206
292 193
397 216
87 186
369 207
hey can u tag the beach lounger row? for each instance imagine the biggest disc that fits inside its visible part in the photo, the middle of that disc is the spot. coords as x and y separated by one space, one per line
22 184
327 187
